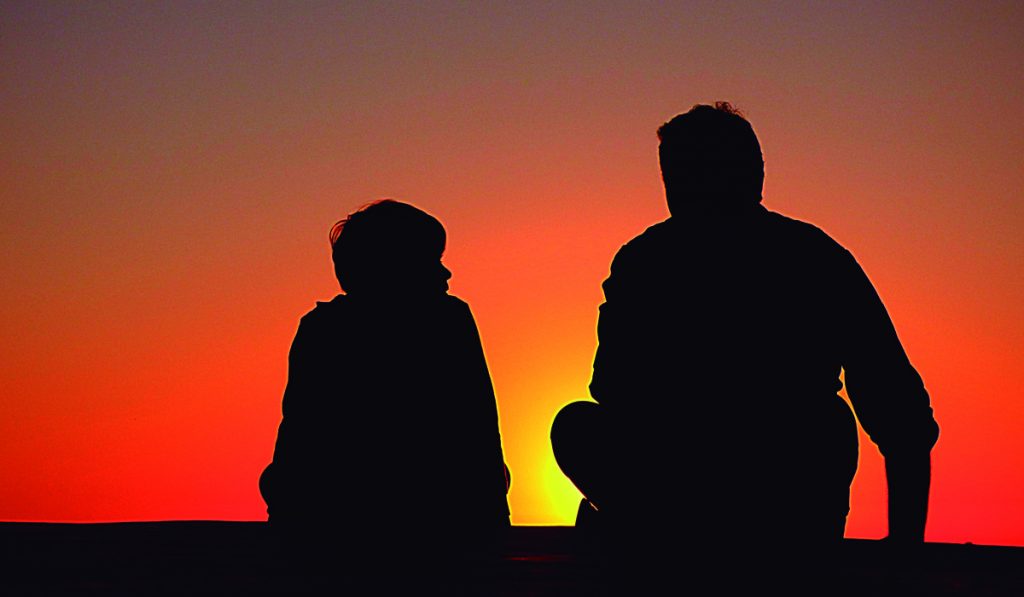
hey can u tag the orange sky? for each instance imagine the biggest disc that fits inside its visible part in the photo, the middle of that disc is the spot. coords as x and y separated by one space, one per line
168 175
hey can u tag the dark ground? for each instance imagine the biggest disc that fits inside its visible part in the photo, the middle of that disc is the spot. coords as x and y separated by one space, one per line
244 558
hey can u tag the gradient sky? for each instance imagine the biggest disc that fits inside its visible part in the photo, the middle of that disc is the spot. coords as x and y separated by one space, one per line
169 173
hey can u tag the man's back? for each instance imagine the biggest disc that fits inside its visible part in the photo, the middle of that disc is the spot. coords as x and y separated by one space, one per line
721 343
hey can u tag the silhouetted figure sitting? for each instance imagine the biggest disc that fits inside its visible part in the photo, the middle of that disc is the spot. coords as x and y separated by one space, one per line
390 428
722 338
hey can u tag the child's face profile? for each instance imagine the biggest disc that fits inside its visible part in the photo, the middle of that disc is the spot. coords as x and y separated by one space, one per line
419 273
403 272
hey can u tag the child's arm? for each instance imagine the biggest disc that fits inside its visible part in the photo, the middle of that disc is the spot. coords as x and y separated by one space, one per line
485 421
293 432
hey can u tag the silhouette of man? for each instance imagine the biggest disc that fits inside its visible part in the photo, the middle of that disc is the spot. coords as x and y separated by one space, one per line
721 343
390 427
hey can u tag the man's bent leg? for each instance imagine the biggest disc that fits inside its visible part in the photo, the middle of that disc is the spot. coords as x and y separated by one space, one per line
580 443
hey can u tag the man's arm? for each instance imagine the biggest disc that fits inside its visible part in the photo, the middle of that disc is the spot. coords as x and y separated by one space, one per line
890 400
908 477
620 368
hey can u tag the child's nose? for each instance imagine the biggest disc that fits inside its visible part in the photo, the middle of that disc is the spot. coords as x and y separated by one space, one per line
446 272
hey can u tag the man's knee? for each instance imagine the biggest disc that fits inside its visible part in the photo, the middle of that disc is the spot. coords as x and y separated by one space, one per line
574 419
573 425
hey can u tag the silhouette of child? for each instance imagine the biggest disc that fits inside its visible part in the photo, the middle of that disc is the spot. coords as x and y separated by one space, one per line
390 420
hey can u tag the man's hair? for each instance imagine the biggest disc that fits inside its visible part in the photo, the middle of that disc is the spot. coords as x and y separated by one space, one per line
367 246
710 154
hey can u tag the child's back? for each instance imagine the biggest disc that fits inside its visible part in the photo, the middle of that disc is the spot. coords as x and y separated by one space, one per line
389 414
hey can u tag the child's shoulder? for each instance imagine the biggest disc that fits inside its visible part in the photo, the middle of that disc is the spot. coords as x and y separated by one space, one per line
446 305
325 310
453 302
343 306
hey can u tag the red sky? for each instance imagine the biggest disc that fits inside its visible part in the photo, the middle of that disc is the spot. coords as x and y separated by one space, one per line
168 175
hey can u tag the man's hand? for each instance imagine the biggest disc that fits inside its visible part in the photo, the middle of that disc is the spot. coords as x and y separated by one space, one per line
909 477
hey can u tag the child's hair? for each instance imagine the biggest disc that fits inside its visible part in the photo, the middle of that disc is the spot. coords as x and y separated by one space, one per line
368 244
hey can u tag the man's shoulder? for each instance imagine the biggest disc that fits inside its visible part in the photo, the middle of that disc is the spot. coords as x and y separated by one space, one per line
793 225
661 231
761 228
670 230
651 240
803 236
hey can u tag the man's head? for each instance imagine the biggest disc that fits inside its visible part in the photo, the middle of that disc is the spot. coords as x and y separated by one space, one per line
710 157
389 247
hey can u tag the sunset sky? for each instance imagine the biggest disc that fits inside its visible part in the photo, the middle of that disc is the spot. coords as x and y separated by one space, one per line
169 173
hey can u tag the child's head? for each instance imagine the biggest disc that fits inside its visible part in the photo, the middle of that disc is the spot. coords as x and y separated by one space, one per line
387 247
